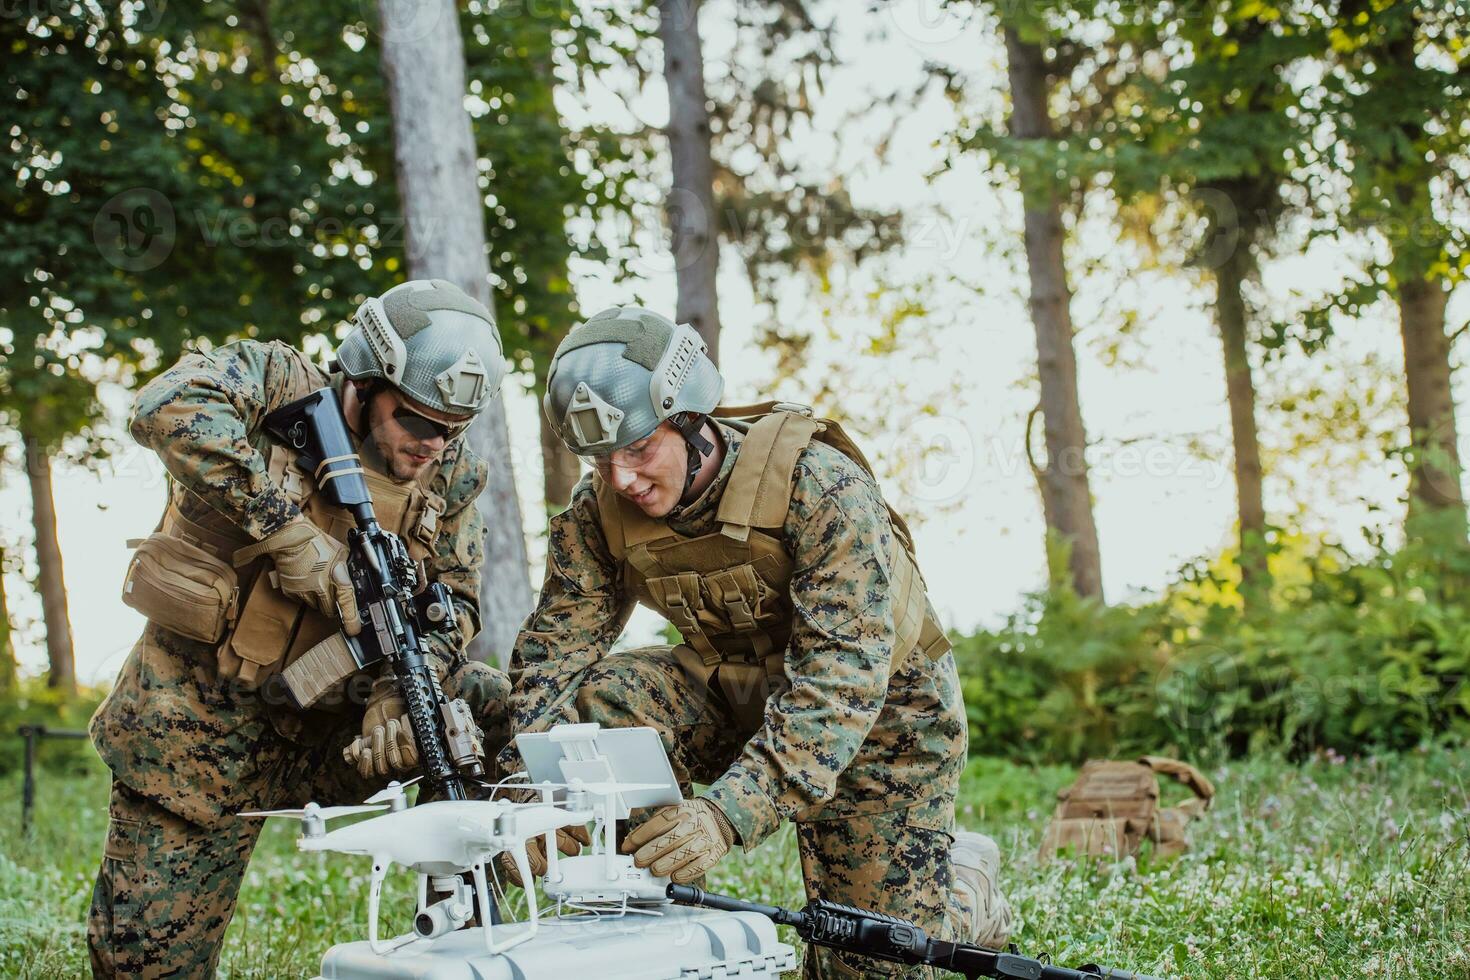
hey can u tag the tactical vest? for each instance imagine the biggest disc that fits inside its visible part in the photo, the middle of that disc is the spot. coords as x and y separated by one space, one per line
265 630
728 592
1114 806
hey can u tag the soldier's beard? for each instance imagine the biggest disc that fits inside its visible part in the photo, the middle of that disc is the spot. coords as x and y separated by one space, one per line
386 448
398 462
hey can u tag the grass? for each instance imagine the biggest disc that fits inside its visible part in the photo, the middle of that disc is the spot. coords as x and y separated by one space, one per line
1330 868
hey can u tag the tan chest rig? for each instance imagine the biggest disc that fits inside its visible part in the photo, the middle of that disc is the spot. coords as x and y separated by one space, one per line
1114 806
265 631
728 592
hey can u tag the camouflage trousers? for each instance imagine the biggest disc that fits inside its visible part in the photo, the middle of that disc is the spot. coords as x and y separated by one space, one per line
895 861
175 854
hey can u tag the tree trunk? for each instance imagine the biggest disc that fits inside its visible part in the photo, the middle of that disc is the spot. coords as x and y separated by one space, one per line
560 468
1434 474
1068 497
434 153
691 202
63 671
9 671
1240 391
1435 477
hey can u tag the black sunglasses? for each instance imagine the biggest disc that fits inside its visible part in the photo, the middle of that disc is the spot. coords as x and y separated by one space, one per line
423 428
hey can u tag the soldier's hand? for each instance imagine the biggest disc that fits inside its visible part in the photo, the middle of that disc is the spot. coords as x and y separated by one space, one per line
681 842
569 841
388 749
386 745
311 566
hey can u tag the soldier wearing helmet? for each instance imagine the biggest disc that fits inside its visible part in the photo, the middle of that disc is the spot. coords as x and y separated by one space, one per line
245 578
813 683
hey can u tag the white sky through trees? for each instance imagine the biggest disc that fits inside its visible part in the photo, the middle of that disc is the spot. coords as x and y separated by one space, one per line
1153 402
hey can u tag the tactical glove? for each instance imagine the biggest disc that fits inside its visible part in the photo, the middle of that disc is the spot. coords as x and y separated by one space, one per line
386 745
311 566
681 842
569 841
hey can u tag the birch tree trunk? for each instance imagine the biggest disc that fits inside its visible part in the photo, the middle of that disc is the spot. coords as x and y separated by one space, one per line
1435 480
52 583
1067 495
1240 392
434 152
691 202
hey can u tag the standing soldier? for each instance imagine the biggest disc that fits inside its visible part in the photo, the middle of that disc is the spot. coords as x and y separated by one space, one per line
814 683
245 574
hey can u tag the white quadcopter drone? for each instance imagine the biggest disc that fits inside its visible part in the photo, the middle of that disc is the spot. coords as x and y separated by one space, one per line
583 774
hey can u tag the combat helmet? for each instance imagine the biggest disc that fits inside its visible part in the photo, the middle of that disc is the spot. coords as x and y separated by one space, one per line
617 376
432 341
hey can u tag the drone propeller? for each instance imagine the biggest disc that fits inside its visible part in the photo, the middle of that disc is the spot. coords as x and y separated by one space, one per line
392 791
312 810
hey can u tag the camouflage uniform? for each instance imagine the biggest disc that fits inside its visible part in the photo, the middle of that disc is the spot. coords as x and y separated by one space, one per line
189 749
867 764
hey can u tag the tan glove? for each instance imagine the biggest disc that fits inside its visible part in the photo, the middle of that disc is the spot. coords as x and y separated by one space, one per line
386 745
569 841
311 566
683 841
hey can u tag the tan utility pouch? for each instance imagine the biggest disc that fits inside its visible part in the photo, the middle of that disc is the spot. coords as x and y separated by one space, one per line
1114 805
181 587
257 646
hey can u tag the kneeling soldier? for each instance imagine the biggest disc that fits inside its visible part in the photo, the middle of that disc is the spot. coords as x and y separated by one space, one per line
814 683
246 573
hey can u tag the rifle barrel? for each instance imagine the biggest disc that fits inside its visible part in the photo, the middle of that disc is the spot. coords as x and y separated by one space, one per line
690 895
963 958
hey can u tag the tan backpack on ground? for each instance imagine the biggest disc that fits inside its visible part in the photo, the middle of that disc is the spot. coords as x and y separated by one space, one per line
1114 805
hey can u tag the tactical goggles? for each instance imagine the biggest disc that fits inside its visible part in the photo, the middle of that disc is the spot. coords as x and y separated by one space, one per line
629 457
423 428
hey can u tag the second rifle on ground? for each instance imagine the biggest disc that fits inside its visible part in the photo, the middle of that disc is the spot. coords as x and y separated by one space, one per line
884 937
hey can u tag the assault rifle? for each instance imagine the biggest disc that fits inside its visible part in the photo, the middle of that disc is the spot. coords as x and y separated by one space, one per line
395 619
884 937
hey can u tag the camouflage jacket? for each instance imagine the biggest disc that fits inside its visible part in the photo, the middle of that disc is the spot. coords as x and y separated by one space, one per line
844 737
171 728
203 417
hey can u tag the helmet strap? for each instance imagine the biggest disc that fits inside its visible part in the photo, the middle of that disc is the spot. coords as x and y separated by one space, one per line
690 427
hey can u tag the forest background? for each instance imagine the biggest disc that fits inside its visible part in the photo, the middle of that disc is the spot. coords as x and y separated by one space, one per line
1148 313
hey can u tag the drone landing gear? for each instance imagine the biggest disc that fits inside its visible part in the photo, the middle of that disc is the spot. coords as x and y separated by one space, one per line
446 915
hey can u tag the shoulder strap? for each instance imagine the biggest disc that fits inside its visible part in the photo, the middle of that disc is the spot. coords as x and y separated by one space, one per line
835 436
1185 773
825 430
758 494
751 413
1168 828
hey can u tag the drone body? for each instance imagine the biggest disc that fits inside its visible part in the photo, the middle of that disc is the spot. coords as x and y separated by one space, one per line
621 924
447 836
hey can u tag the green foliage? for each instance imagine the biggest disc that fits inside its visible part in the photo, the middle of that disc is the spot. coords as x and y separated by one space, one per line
214 170
1057 681
1349 655
1397 100
31 702
1357 867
